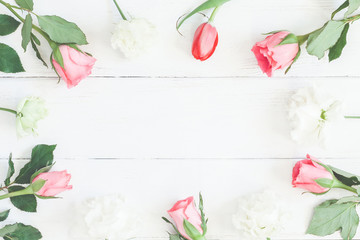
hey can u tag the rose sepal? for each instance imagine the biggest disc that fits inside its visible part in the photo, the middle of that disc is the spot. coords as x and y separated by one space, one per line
191 230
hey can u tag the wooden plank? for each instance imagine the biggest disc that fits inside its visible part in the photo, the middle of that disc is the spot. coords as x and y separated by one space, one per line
240 25
153 186
173 118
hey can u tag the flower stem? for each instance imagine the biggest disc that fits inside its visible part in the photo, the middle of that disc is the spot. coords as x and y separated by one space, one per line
213 14
8 110
352 19
36 28
338 184
352 117
26 191
120 11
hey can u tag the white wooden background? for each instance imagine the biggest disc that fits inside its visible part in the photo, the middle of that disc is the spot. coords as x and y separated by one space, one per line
165 126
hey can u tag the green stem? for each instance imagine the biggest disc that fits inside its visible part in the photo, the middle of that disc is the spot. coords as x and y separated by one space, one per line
36 28
213 14
352 19
8 110
26 191
303 38
120 11
352 117
338 184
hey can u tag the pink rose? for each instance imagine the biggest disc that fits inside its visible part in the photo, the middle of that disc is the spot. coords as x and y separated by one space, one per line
56 182
305 173
272 57
77 65
185 209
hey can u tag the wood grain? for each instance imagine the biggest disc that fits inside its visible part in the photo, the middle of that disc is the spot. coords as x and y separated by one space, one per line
165 126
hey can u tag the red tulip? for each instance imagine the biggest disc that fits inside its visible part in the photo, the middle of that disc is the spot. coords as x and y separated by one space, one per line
205 41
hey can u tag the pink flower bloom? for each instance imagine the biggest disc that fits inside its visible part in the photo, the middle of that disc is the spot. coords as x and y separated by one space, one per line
77 65
185 209
205 41
272 57
305 173
56 182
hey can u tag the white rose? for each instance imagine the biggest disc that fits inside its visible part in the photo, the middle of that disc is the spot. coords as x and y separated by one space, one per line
107 217
29 111
259 216
313 114
133 37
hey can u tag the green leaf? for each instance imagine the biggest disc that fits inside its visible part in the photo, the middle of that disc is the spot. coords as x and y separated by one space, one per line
9 60
7 25
330 217
353 6
19 231
27 4
295 59
41 156
4 215
26 31
38 55
58 57
25 203
324 38
62 31
343 6
190 230
348 199
346 178
11 171
289 39
36 40
206 5
336 50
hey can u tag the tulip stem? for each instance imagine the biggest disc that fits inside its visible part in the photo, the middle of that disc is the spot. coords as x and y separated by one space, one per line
8 110
120 11
213 14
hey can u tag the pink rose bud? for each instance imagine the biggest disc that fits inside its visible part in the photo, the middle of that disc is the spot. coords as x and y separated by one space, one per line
185 209
305 173
205 41
77 65
271 56
56 182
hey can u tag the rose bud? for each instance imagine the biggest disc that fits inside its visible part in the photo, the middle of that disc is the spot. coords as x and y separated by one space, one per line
185 209
77 65
271 56
205 41
306 171
56 182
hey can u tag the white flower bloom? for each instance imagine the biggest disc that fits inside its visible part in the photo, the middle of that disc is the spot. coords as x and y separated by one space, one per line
313 114
29 111
133 37
259 216
106 217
